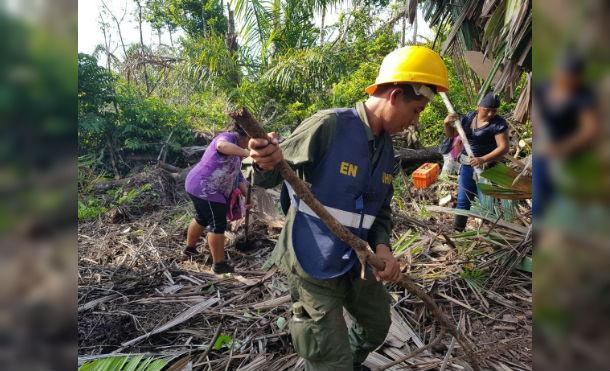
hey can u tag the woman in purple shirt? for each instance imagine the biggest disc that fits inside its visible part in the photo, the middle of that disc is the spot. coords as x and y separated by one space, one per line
209 185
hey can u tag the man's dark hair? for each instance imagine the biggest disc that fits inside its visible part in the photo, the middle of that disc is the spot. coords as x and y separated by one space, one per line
406 88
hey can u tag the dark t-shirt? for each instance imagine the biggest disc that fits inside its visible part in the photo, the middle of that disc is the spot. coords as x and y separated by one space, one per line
483 140
561 120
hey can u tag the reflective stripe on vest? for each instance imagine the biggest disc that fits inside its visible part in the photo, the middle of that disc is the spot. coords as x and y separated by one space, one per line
346 218
350 188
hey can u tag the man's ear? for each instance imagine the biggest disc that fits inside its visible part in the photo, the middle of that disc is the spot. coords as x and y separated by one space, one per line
395 94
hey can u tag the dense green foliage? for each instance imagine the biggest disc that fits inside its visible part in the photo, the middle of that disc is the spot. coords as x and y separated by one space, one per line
118 117
195 17
36 95
37 111
283 67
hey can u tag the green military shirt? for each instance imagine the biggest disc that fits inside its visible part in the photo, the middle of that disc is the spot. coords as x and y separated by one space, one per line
303 150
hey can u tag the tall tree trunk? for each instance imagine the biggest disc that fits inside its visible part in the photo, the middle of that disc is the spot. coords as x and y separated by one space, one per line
203 25
106 44
112 158
231 38
322 26
231 43
118 26
347 21
142 47
404 29
415 30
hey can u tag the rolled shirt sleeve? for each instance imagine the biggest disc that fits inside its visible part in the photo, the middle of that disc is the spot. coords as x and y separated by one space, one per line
304 148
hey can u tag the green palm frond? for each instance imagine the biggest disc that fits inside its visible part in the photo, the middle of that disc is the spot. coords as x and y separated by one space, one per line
262 22
404 242
256 19
313 68
209 60
125 363
502 30
502 178
475 278
503 193
494 208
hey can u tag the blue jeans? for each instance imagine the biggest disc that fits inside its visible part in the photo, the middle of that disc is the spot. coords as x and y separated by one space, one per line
467 187
542 187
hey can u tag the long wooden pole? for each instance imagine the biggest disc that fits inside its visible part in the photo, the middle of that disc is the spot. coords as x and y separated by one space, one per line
248 200
361 247
458 126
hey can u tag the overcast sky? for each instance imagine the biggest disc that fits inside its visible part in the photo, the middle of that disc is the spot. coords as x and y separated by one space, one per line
89 34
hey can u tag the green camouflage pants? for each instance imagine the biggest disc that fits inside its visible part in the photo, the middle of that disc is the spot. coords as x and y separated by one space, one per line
318 328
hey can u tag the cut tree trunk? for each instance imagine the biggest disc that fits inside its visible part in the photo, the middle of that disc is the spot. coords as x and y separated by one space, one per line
193 154
104 186
409 156
177 173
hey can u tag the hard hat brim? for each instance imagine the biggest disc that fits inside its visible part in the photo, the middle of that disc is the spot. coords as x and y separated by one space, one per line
371 89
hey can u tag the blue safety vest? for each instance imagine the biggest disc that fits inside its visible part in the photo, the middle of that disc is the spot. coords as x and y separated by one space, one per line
346 183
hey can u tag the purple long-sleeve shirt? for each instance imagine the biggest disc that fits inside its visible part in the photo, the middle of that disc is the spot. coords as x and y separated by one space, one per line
216 174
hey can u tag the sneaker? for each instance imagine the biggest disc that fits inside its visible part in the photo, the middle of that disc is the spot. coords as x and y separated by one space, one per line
459 223
190 251
222 267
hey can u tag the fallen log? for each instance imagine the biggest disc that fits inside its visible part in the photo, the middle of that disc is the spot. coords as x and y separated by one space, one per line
428 154
140 157
168 167
104 186
193 154
177 173
361 247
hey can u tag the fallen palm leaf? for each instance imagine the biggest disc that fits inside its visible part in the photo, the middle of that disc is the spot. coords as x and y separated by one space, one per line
405 241
501 223
182 317
502 178
125 363
503 193
526 265
221 341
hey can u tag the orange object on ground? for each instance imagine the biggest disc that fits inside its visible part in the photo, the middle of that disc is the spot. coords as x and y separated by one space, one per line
425 175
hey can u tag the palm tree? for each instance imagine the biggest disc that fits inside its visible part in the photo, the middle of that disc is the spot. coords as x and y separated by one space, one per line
262 22
306 70
501 30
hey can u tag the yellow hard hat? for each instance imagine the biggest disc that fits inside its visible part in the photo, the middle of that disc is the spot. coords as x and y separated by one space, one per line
412 64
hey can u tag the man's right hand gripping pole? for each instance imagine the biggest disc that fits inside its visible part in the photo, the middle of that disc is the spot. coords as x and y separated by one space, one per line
266 153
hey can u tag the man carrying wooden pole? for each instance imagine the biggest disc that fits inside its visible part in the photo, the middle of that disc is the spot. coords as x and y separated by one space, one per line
347 157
